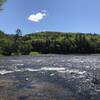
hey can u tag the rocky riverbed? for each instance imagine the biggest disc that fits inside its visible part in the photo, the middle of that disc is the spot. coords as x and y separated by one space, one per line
50 77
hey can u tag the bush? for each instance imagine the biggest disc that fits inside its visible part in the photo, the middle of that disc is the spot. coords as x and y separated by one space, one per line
34 53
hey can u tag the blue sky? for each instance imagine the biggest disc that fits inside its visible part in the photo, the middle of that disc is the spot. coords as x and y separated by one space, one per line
51 15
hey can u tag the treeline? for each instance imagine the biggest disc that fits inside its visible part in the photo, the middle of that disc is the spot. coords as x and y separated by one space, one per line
49 42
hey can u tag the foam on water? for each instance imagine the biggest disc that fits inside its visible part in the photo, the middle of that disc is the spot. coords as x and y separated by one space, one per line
19 64
58 69
16 60
72 71
3 72
32 70
53 68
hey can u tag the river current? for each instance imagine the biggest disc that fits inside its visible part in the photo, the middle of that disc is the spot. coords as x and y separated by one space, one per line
50 77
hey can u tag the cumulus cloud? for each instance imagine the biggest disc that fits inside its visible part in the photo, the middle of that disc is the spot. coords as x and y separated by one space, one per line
38 16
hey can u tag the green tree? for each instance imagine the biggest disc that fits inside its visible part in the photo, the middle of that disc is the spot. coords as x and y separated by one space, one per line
18 32
17 41
1 3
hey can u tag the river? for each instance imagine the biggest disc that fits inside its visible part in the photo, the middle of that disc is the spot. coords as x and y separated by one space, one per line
50 77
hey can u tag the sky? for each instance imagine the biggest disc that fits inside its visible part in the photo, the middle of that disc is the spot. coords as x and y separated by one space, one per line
50 15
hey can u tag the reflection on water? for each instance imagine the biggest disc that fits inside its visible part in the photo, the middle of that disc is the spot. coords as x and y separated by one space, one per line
50 77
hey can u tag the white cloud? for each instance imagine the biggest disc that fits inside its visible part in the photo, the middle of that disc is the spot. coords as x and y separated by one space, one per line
38 16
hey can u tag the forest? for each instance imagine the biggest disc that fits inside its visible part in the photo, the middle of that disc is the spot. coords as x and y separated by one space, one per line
49 42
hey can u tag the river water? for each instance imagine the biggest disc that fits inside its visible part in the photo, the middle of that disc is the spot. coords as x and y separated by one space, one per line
50 77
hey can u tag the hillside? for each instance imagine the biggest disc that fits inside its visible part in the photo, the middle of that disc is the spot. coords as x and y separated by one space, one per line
49 42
